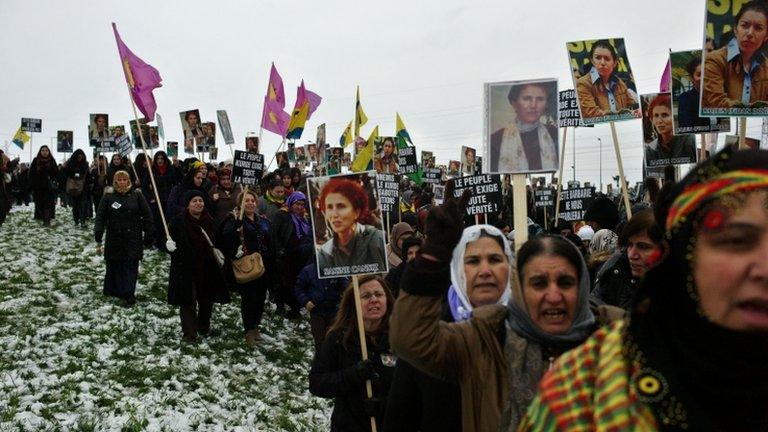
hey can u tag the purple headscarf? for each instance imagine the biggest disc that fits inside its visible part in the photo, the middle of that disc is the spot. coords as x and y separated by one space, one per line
300 224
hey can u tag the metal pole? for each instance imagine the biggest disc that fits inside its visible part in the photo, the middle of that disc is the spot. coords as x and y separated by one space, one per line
601 163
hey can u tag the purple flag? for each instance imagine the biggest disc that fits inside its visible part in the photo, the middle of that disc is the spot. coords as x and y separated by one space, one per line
273 118
141 78
666 78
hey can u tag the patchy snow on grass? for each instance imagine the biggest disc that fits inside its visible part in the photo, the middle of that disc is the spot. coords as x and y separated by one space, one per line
73 359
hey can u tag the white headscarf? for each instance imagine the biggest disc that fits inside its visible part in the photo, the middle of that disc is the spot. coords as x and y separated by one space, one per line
459 278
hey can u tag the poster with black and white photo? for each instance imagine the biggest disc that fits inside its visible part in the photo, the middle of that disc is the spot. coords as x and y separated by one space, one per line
406 160
64 141
432 175
98 129
485 192
226 128
208 140
389 191
574 203
247 167
348 228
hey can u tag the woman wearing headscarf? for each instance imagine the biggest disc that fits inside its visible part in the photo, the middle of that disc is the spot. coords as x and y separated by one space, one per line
498 355
97 182
43 180
195 281
273 200
292 240
223 197
166 177
693 354
124 215
76 170
601 249
400 232
192 181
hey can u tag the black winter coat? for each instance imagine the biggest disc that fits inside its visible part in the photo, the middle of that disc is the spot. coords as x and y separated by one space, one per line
333 375
614 284
183 272
255 239
124 217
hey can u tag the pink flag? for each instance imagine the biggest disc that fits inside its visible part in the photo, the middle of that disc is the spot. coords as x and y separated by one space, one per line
275 91
273 118
141 78
666 78
313 98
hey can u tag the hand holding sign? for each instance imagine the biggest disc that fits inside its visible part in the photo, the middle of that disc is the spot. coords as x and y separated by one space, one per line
444 226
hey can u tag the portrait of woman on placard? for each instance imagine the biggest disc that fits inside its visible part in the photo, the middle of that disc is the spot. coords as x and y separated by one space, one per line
252 144
355 240
468 160
99 128
600 91
386 161
528 142
667 148
192 129
736 75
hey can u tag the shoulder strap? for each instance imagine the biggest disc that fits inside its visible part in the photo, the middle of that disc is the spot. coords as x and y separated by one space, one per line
208 239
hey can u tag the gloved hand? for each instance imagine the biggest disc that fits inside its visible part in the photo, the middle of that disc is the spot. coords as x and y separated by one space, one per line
444 226
170 245
239 253
366 370
372 407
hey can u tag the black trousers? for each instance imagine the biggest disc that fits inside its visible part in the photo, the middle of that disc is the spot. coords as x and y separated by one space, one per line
78 209
318 325
252 298
196 316
120 279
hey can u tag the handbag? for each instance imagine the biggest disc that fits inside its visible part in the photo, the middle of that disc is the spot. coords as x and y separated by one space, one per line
249 267
217 255
74 187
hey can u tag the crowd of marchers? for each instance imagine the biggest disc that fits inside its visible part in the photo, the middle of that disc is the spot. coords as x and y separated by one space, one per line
656 322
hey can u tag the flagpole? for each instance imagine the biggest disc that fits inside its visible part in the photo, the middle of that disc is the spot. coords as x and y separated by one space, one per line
149 165
275 155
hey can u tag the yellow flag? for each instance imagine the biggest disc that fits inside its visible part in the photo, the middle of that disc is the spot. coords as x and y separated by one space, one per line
360 117
346 137
20 138
364 158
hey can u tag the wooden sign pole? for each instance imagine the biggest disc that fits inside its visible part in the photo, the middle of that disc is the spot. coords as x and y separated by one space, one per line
363 344
742 133
520 210
624 192
560 176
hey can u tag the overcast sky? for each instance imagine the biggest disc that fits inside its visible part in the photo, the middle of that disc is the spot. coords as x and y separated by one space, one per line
426 60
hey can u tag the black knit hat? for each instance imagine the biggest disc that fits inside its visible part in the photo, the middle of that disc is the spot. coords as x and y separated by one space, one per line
191 194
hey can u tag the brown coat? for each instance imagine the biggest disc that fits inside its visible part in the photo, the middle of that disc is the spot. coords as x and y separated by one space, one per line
469 352
593 98
725 81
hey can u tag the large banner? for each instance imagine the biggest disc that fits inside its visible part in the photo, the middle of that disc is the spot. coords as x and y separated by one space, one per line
247 167
521 126
486 197
575 202
734 36
64 141
349 236
662 146
599 65
686 88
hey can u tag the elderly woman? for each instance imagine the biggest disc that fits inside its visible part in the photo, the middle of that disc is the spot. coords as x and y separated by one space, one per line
498 355
527 143
344 204
735 75
124 215
338 370
600 91
667 145
387 160
400 232
693 355
195 281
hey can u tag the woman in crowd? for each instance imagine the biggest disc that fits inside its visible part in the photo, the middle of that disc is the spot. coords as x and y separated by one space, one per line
273 200
338 370
6 198
642 244
76 170
97 180
166 177
355 241
601 249
387 160
192 181
693 354
287 180
400 232
600 91
124 215
195 281
726 69
241 237
292 239
321 299
118 163
667 145
43 180
224 197
498 355
529 141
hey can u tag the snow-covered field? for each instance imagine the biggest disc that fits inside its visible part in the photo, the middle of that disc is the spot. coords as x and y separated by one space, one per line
72 359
